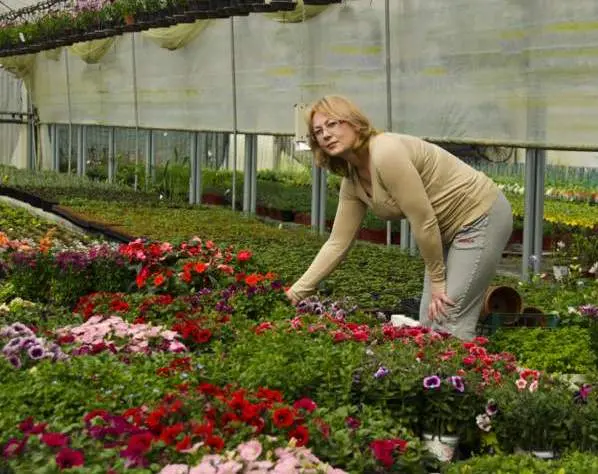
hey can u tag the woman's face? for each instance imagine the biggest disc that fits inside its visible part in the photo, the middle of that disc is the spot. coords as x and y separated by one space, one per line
335 137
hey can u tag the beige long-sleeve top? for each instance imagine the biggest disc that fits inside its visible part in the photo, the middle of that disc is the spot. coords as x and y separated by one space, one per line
411 178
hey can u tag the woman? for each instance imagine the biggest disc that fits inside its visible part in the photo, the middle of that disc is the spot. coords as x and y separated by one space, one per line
460 219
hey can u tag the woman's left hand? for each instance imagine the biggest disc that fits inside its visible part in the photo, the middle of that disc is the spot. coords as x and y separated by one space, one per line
437 307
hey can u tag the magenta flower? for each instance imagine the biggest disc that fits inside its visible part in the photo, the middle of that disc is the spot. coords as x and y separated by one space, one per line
431 382
457 382
381 372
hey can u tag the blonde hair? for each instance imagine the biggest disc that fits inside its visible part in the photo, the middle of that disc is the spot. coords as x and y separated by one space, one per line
339 108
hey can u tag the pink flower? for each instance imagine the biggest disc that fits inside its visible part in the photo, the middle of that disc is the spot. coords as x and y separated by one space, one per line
55 439
306 403
250 451
204 468
68 458
176 346
286 466
521 384
229 467
175 469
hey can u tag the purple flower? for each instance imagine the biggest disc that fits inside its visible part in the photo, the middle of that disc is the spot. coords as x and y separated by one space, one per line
14 345
352 423
457 382
15 361
491 408
36 352
581 396
589 310
381 372
433 381
28 342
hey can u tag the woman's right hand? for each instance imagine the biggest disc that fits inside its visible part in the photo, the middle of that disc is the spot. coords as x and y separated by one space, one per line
292 298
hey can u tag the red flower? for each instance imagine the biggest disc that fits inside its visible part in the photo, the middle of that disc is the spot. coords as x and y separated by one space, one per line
55 439
383 449
301 434
170 433
202 336
68 458
215 442
14 447
200 267
263 327
159 279
283 418
250 412
204 430
27 426
208 389
252 279
119 305
305 403
139 443
66 339
142 277
269 395
340 336
183 444
244 255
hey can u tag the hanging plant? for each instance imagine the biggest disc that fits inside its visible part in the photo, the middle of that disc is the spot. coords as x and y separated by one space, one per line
297 15
92 51
177 36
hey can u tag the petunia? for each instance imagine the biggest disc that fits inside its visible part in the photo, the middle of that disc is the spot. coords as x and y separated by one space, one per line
433 381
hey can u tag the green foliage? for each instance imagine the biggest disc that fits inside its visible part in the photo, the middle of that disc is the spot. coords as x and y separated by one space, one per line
563 350
300 366
573 463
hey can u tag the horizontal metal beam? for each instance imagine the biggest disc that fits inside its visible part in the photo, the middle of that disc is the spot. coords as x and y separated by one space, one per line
3 120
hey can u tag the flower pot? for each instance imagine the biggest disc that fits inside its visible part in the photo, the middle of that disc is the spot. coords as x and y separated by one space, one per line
443 446
303 218
214 199
533 317
547 454
503 300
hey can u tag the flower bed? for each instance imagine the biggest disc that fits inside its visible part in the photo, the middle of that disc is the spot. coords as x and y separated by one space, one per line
187 368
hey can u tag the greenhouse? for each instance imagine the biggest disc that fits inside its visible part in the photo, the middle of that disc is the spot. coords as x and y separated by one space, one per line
162 193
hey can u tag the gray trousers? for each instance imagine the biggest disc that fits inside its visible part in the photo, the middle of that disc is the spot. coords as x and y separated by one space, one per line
471 260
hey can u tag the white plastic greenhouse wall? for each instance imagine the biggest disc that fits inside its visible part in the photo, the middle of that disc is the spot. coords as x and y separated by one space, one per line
515 72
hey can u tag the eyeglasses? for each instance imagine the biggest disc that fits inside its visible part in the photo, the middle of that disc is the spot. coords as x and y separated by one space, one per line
330 125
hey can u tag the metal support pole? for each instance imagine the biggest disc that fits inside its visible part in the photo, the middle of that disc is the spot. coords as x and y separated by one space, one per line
247 181
81 150
55 147
315 196
322 201
69 109
253 196
136 111
150 158
201 151
529 217
111 155
388 91
539 209
193 163
405 234
234 87
412 243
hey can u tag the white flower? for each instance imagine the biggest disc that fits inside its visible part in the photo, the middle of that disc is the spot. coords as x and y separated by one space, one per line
484 423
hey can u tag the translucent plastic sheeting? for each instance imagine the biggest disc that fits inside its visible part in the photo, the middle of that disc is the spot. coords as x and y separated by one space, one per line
10 101
500 70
